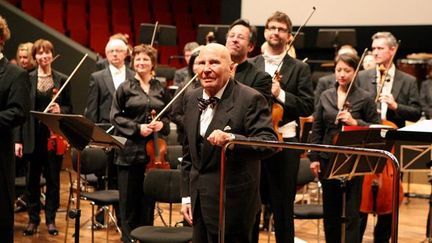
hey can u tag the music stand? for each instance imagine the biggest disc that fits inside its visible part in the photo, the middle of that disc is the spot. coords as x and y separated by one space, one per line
219 31
79 132
299 41
334 38
166 35
345 166
418 132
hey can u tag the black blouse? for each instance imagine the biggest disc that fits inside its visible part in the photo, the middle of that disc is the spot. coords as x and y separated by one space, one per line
132 107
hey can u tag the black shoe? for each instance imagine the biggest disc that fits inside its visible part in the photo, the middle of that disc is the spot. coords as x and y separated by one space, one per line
52 230
31 229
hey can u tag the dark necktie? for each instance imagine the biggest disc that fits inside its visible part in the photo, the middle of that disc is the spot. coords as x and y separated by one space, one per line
203 103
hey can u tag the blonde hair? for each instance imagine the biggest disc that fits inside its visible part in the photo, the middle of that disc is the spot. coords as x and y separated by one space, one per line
27 47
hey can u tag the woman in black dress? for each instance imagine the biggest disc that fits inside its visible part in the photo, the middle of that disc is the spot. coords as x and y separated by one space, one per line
132 105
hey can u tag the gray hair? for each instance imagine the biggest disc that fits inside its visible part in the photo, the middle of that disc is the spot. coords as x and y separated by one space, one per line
391 40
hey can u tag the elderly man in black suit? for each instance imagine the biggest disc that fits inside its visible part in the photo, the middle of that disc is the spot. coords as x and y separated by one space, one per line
229 110
398 101
14 107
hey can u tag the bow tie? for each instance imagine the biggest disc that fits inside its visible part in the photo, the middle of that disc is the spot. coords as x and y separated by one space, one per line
203 103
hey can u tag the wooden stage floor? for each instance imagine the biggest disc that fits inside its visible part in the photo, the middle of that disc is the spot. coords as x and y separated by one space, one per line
412 224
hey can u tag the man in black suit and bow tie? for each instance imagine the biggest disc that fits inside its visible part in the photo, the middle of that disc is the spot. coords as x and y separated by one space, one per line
292 89
233 110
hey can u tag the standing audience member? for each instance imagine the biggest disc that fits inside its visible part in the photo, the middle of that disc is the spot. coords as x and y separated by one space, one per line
219 111
397 103
241 39
328 110
44 83
292 89
24 57
132 105
182 74
14 108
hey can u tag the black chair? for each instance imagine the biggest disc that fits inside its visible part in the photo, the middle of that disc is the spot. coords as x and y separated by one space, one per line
94 161
174 155
163 186
20 187
308 210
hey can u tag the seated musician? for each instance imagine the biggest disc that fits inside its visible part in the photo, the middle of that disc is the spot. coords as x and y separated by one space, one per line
328 110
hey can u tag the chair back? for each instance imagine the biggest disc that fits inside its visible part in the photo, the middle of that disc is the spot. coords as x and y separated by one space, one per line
92 161
163 185
304 174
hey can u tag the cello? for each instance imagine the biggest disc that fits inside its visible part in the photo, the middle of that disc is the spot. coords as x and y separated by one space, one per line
377 189
156 149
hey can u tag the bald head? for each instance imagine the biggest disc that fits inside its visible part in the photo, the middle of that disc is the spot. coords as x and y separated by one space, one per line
214 67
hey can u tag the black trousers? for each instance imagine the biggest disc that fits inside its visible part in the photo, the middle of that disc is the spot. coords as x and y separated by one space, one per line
279 186
332 205
49 164
382 230
135 208
202 235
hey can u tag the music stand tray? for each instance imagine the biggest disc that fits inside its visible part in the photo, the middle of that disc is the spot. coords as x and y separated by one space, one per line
80 132
346 166
166 35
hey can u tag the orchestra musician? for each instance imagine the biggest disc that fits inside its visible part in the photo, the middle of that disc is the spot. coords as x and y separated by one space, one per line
241 39
177 112
328 81
44 81
399 102
133 102
24 57
181 75
14 109
329 108
229 110
294 92
426 97
102 86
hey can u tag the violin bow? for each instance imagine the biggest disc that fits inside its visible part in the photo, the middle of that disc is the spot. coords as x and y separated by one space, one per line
64 85
154 33
352 82
174 98
380 87
293 40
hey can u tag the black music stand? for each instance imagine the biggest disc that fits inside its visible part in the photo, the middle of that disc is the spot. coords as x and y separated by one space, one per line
334 38
79 132
418 132
166 35
345 166
219 31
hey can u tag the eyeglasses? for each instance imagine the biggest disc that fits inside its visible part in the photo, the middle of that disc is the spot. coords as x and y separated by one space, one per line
277 29
116 50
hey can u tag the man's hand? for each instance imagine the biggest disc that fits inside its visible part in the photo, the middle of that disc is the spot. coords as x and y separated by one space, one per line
219 138
186 211
19 150
315 168
389 99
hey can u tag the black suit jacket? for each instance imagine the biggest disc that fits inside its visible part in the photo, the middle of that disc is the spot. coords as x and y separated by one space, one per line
297 85
100 95
248 74
324 83
404 91
426 97
14 108
244 112
26 135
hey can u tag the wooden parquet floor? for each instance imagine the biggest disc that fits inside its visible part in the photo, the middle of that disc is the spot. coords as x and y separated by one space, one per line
412 224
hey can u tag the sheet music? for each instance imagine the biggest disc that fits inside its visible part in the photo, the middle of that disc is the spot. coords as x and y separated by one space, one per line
421 126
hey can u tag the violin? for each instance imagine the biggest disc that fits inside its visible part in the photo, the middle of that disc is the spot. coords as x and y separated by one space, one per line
56 142
156 149
277 113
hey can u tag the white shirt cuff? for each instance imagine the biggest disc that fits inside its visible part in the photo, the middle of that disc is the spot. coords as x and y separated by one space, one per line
186 200
281 96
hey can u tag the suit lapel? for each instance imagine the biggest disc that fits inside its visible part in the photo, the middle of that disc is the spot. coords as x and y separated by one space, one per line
109 82
220 119
286 70
260 63
397 84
